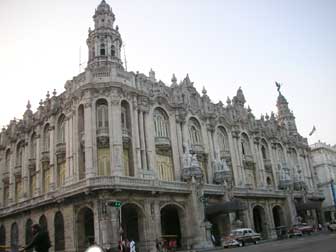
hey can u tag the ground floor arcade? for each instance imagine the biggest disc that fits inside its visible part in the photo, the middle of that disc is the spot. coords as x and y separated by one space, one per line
75 223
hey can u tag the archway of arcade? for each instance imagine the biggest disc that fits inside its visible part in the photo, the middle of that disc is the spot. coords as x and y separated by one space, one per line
259 220
278 216
85 228
172 224
132 222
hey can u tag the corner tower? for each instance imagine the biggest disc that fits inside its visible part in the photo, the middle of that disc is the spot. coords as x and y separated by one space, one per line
285 116
104 42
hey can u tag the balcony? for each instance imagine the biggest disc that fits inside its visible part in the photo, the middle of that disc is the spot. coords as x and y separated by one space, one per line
162 142
45 156
60 149
103 137
268 165
126 135
32 164
197 148
225 154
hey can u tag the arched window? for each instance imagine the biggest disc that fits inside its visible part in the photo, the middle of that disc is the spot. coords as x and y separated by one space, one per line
195 132
102 114
59 232
104 161
102 49
33 143
263 152
7 161
112 50
43 223
2 238
223 148
19 153
245 145
161 123
29 234
14 242
46 138
61 129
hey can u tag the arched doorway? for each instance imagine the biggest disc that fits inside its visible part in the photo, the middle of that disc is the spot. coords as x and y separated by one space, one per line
14 237
43 223
59 232
278 216
2 238
259 221
29 233
132 222
170 223
85 228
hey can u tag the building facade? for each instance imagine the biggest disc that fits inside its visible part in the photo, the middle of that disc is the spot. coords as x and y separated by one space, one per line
182 166
324 163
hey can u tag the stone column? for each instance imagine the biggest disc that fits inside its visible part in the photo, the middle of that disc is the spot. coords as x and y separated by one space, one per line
199 228
136 139
211 157
52 157
149 223
142 142
149 143
270 226
88 148
274 162
116 138
68 145
260 170
11 175
238 156
39 178
234 161
176 146
25 179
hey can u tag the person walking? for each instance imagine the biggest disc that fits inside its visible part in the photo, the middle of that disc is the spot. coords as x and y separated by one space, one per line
40 241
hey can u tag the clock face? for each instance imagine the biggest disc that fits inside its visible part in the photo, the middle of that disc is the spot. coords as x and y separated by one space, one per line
94 248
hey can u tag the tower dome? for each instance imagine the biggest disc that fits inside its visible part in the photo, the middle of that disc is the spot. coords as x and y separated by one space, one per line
104 42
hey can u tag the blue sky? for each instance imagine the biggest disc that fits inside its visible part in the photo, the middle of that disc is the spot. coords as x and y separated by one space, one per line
221 44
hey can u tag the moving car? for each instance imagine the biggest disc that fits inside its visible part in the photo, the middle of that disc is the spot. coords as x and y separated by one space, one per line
245 235
300 229
332 226
230 241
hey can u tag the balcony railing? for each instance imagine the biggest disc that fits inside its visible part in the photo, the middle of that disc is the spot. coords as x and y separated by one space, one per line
60 148
197 148
102 131
45 156
126 135
32 163
162 142
268 164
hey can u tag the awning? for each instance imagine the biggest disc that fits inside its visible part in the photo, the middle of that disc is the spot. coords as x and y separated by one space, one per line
226 207
309 204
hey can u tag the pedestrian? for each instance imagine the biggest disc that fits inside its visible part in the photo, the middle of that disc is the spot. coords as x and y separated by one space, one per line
40 241
132 246
158 245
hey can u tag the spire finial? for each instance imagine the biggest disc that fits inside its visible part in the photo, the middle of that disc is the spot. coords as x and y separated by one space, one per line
54 93
48 95
204 92
28 105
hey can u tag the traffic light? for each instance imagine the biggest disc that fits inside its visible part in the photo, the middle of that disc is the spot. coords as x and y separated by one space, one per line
114 203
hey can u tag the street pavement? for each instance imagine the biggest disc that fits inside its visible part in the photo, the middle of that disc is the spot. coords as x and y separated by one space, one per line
319 242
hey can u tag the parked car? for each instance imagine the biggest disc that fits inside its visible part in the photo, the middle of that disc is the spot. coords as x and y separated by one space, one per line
332 226
245 235
300 229
230 241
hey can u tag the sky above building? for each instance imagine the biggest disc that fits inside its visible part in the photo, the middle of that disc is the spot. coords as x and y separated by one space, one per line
221 44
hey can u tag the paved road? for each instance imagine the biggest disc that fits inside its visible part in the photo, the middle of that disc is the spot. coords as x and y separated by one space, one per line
324 242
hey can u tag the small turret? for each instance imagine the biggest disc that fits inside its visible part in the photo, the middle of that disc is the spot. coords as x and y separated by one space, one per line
285 116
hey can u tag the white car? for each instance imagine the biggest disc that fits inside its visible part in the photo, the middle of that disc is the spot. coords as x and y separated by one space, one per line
245 235
229 241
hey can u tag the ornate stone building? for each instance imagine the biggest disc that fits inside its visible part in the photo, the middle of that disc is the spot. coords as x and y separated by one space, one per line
181 165
324 163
